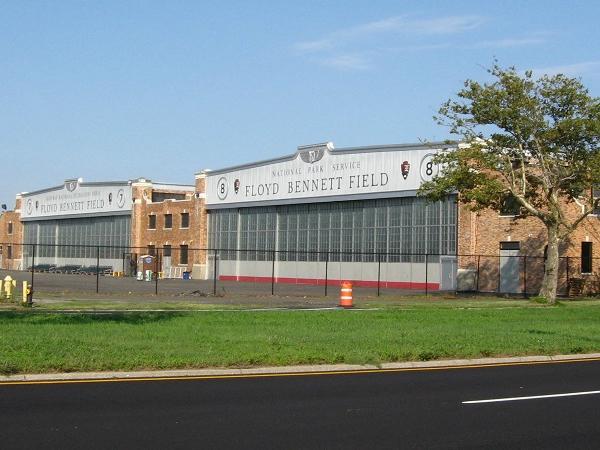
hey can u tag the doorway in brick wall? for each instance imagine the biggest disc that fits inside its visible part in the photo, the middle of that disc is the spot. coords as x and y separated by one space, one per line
510 267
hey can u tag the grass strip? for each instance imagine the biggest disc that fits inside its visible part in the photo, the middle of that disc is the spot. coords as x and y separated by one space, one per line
34 343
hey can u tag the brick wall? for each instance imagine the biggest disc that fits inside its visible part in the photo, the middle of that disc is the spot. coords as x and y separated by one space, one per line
480 233
10 243
193 237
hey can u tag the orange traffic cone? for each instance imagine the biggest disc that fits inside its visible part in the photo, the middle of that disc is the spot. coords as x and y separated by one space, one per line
346 295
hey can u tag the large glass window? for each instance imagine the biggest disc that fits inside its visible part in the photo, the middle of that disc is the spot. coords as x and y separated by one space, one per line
78 238
360 231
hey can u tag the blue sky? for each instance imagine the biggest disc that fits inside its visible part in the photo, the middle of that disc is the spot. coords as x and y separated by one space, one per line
116 90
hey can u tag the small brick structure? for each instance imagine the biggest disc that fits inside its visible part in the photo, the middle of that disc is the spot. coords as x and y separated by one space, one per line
11 237
184 207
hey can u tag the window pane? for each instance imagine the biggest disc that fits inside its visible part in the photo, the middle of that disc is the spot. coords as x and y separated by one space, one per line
586 257
183 254
185 220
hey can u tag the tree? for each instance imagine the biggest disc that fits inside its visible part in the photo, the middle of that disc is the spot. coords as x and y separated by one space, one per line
532 141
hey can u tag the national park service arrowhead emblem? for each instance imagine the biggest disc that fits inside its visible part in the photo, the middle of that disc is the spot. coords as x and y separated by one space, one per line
405 167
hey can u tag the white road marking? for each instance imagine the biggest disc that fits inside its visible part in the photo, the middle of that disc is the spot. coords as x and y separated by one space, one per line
531 397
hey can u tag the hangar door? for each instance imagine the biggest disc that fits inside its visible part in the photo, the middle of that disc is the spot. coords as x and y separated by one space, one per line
448 273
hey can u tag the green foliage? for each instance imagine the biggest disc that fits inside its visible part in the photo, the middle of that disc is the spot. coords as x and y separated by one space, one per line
540 301
531 140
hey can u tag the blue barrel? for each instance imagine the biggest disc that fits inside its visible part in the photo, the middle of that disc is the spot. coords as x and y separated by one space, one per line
186 275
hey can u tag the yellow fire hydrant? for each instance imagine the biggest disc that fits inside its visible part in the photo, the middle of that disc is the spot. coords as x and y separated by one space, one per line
27 294
8 286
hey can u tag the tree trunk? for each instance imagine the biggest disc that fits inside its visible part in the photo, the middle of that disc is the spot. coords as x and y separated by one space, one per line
550 282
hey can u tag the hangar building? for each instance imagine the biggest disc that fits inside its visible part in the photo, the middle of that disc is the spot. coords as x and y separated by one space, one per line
317 216
354 209
66 220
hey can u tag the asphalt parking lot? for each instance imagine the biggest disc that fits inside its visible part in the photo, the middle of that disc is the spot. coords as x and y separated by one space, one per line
52 285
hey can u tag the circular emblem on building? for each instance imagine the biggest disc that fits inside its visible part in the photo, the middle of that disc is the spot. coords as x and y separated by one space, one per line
222 188
428 168
121 198
29 206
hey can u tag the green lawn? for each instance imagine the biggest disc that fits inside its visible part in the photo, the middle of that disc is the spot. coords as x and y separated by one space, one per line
47 342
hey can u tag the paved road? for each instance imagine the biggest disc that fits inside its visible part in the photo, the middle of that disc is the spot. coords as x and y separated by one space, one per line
415 409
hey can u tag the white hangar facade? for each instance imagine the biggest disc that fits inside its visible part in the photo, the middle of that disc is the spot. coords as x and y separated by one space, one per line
326 215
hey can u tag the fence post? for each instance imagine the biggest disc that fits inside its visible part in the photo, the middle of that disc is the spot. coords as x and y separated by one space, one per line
273 274
97 269
215 272
478 262
156 272
567 276
326 267
426 275
525 276
33 265
499 262
378 272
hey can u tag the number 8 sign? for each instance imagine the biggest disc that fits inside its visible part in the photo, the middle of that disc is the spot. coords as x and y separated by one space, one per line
428 168
222 188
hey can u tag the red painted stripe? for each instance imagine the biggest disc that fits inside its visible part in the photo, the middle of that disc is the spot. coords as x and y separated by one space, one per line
321 282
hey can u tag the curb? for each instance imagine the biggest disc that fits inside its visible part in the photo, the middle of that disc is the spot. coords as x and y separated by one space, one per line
292 370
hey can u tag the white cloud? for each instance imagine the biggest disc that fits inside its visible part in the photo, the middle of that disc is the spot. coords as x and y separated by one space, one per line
571 70
395 24
510 42
446 25
419 47
347 48
315 46
347 62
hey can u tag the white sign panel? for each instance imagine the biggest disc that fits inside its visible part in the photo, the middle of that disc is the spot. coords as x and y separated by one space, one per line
77 199
318 172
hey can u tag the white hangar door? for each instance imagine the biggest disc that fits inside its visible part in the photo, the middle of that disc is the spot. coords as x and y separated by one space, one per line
448 273
510 272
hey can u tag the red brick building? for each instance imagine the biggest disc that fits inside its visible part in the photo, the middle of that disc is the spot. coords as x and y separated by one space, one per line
11 237
169 221
491 234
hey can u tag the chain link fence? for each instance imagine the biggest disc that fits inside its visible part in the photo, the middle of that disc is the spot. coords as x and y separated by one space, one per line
183 271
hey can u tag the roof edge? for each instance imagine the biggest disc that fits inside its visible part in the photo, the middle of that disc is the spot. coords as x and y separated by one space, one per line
364 149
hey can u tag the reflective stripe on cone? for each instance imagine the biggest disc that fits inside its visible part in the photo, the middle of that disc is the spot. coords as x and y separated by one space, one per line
346 295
